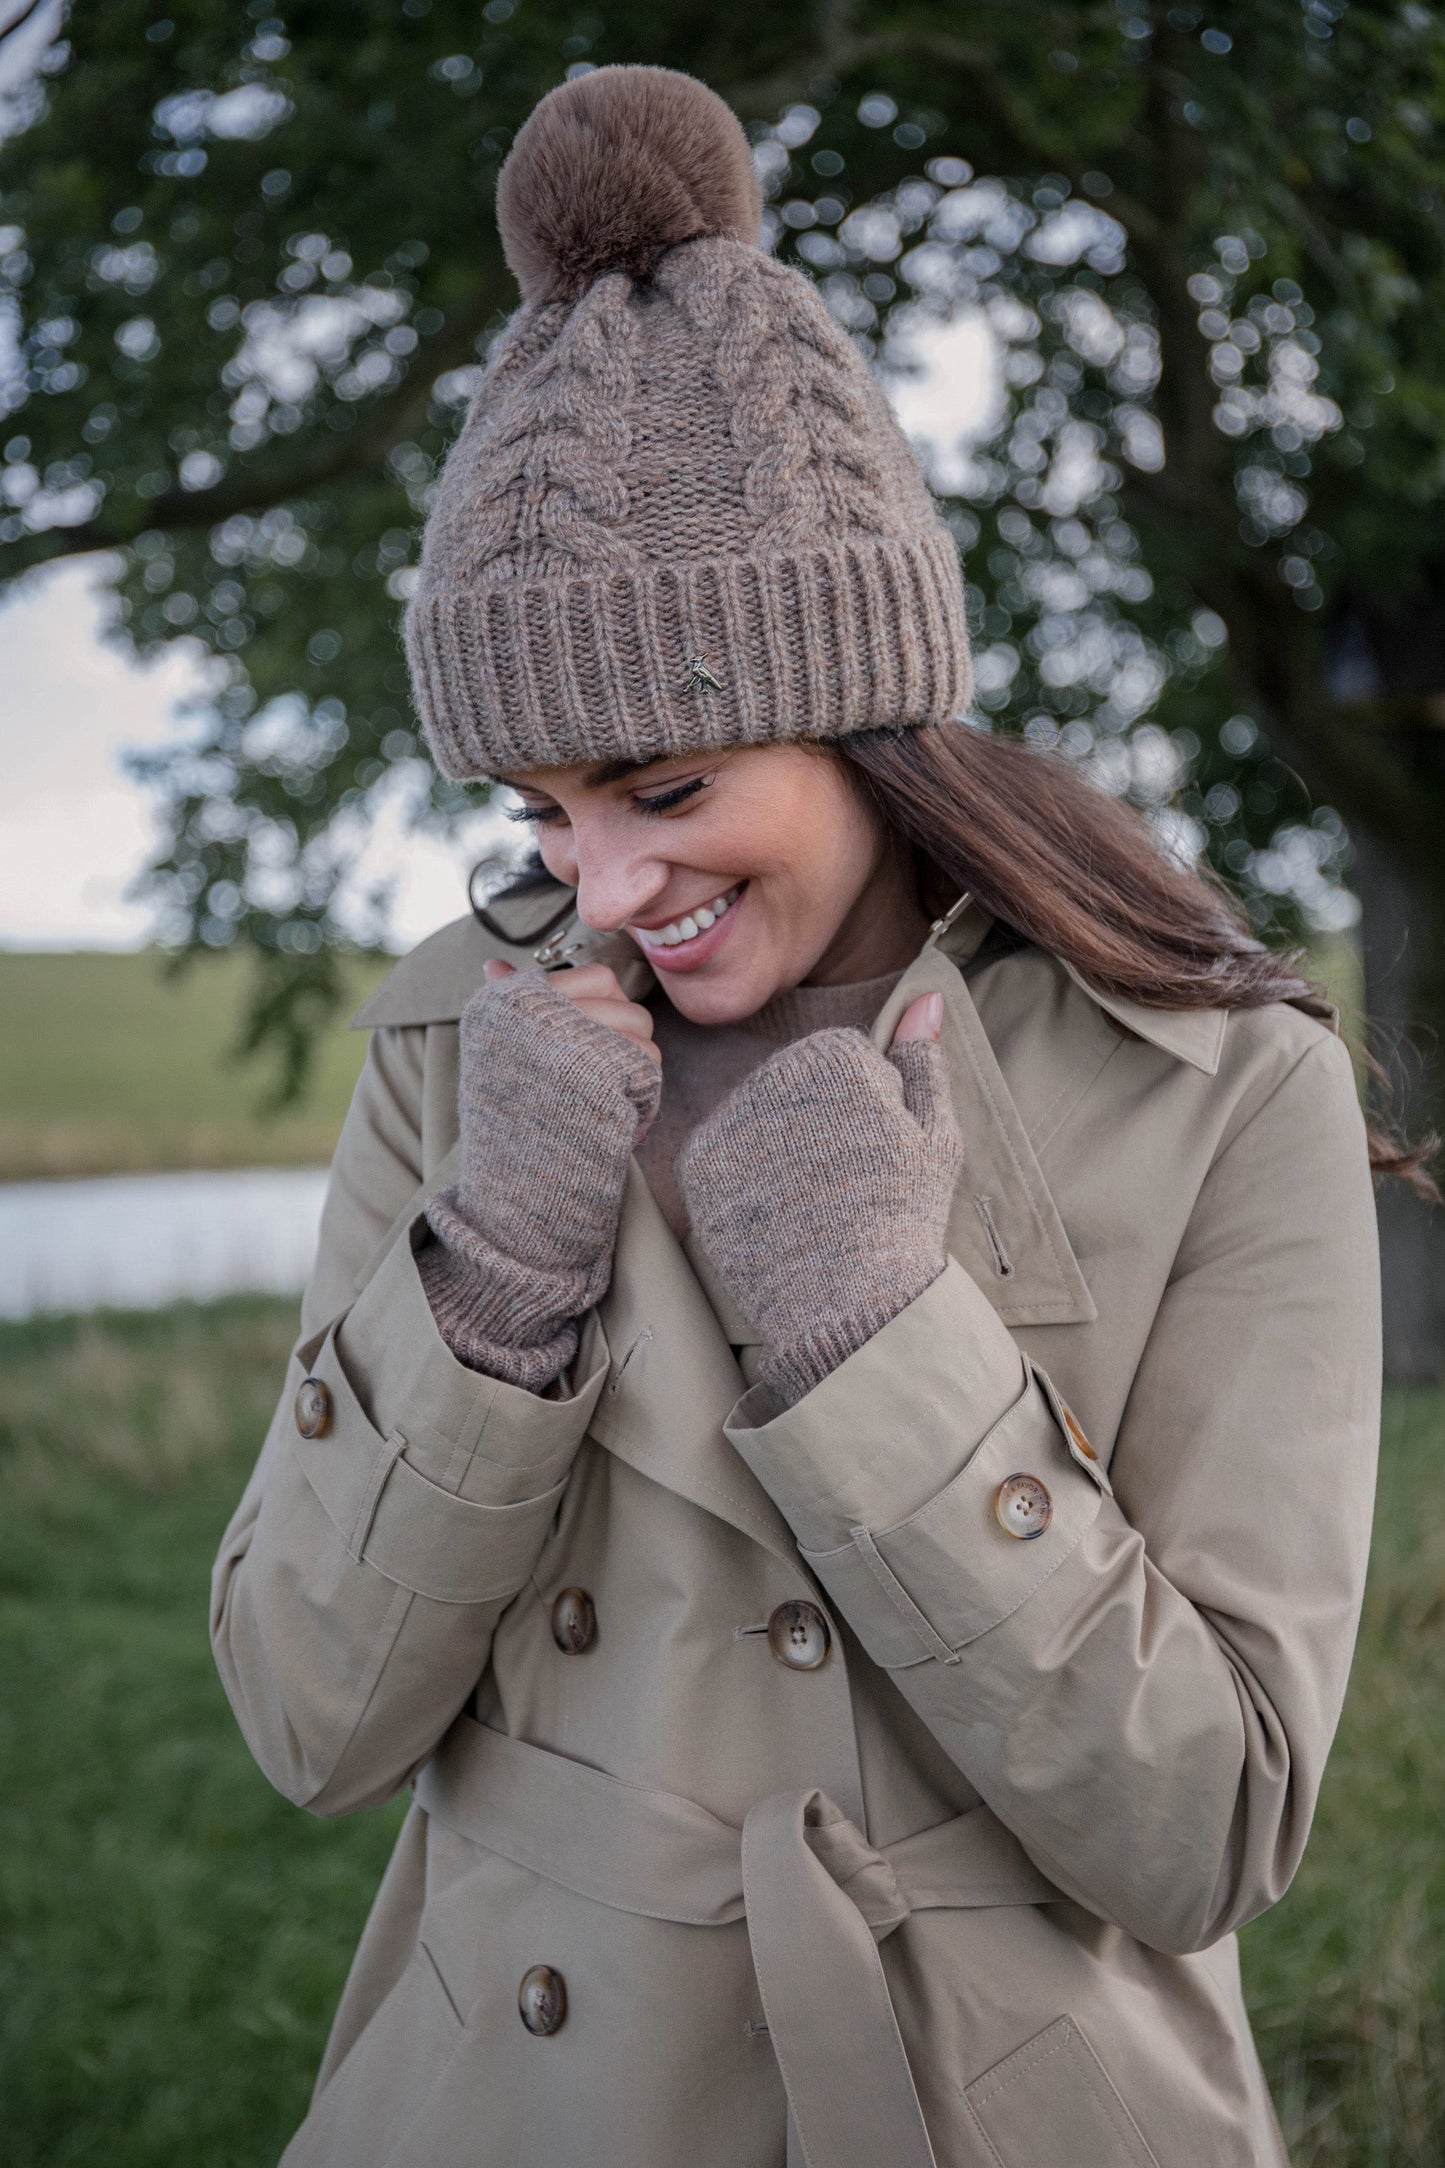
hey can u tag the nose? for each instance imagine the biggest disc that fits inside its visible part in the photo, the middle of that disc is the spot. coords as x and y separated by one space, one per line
615 880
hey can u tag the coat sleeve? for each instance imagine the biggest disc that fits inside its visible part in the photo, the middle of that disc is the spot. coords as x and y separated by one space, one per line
1145 1692
358 1584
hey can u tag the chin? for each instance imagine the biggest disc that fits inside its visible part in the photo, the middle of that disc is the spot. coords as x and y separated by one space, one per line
726 999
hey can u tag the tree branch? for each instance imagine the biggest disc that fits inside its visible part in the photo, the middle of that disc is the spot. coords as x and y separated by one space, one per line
1193 446
258 483
1343 748
351 452
971 69
1173 493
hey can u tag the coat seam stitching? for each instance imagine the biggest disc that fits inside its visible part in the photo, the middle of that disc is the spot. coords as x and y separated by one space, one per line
1316 1046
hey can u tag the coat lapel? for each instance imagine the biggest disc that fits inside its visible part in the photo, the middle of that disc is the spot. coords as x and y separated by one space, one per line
675 1378
1004 1228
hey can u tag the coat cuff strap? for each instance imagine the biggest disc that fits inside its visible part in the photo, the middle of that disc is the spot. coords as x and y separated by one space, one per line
393 1518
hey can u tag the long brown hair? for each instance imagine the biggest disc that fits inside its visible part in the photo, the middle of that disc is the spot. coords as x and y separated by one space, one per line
1080 875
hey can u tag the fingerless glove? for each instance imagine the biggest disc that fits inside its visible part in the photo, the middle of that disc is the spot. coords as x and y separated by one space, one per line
549 1102
820 1191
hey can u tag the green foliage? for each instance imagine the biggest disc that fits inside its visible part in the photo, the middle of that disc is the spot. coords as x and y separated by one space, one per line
173 1936
1346 1978
172 1933
252 266
114 1064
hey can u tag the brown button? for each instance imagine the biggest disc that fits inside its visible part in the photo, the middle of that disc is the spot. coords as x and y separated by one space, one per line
313 1408
542 2000
574 1621
798 1636
1023 1506
1071 1424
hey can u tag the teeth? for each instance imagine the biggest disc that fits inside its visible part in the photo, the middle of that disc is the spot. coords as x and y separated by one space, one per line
688 928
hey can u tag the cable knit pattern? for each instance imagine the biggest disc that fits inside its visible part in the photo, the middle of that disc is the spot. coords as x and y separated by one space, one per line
697 463
792 388
549 1104
820 1190
553 485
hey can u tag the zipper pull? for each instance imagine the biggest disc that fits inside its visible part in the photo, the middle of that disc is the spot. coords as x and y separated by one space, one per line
560 949
940 926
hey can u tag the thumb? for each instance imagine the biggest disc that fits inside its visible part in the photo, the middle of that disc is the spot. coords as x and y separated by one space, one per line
917 1056
922 1019
497 967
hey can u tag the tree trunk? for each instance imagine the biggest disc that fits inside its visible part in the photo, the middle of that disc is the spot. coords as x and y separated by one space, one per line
1402 1000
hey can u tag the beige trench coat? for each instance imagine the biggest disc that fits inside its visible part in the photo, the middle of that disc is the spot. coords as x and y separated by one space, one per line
963 1892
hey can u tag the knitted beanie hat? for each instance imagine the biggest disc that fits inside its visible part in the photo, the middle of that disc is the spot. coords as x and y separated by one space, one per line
680 513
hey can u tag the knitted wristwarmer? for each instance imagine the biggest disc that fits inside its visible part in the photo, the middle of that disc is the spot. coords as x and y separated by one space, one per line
820 1191
549 1103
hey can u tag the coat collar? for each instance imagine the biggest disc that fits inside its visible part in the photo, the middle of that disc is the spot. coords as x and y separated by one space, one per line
1005 1228
1195 1036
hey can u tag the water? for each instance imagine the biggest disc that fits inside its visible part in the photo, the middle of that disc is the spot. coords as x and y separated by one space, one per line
136 1241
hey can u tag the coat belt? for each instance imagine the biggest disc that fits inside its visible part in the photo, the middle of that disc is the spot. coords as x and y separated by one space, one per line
816 1896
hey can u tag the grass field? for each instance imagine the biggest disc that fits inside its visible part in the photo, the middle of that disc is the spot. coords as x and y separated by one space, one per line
173 1936
108 1067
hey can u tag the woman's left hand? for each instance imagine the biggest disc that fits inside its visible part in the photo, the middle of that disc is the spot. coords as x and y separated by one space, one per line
820 1191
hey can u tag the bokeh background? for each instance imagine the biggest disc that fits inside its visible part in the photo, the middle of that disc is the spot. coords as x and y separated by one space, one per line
1159 293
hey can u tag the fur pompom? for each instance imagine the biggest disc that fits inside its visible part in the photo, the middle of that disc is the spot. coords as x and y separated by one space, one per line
615 167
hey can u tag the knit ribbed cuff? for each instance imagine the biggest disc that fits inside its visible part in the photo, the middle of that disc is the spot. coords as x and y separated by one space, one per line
793 1372
506 1319
810 643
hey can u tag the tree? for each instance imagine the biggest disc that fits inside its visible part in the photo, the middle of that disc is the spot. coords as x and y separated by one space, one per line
251 267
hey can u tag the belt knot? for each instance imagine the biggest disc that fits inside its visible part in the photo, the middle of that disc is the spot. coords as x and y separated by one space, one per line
860 1870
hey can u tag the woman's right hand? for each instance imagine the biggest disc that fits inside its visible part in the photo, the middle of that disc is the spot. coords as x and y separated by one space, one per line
597 992
556 1084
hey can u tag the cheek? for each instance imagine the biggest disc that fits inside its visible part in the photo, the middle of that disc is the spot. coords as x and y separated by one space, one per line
558 853
828 853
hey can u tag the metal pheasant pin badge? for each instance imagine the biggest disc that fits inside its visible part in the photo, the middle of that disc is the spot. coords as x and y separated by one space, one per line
700 677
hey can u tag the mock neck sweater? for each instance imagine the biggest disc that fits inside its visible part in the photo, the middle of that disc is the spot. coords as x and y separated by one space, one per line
701 1063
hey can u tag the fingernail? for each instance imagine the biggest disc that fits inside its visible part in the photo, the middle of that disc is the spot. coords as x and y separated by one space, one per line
497 967
933 1013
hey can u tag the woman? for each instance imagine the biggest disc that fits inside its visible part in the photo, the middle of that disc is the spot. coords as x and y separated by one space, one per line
832 1440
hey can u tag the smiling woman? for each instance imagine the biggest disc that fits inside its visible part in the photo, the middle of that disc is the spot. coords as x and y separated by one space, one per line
738 874
831 1437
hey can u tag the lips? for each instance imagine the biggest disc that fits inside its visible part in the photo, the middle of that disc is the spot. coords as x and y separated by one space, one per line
690 925
688 941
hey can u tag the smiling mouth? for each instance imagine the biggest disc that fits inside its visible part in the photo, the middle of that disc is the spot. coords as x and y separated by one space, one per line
680 931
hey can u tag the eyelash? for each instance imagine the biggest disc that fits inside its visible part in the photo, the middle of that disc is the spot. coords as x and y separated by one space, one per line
543 816
665 800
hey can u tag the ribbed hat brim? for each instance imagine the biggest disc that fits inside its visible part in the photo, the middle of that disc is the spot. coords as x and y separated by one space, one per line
811 643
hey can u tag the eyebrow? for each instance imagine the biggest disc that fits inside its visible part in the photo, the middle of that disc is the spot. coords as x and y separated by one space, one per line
612 771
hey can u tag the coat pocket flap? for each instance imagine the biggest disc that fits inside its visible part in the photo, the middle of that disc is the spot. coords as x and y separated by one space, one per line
1051 2105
